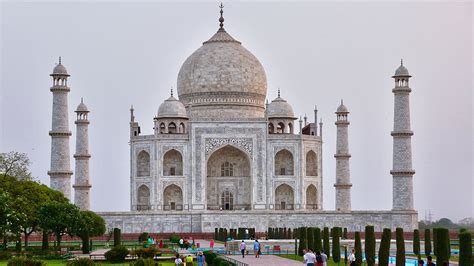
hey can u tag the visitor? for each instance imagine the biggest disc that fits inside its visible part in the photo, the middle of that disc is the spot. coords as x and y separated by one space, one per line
308 258
246 233
161 243
200 258
352 258
181 242
178 260
325 257
430 261
242 248
189 260
319 258
212 243
256 248
421 262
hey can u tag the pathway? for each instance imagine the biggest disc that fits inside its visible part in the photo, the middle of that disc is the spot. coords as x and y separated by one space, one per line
266 260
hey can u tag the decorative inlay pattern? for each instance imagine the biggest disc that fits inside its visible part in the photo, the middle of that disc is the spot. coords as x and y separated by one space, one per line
213 144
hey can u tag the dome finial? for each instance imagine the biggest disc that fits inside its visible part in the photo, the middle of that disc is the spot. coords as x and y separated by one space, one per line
278 92
342 101
82 100
171 91
401 61
60 60
221 19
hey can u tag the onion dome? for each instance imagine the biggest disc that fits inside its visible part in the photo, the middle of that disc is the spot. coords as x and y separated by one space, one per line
59 69
82 107
223 80
280 108
172 108
342 108
401 71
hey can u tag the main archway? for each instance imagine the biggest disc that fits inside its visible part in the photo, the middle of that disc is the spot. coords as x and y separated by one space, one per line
228 177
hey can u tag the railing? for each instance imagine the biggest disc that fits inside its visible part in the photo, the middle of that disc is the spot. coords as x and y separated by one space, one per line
233 207
233 261
284 206
177 207
143 207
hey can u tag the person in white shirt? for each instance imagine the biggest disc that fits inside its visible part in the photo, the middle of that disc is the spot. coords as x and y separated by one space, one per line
352 258
178 260
309 258
325 257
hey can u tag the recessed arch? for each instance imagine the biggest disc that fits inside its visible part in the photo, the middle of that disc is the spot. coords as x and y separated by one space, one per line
162 128
271 128
311 197
143 198
172 129
172 198
143 164
182 128
280 128
284 163
172 163
284 197
311 163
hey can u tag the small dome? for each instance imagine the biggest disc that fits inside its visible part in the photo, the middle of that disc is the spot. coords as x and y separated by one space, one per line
279 108
401 71
82 107
172 108
342 109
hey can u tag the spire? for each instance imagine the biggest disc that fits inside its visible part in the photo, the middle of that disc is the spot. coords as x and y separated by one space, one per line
278 92
221 19
342 100
59 59
132 116
401 62
171 91
82 100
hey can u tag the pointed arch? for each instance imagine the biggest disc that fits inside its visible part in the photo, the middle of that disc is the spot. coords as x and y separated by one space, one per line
290 127
284 163
143 164
311 163
172 198
271 128
281 128
172 163
182 128
143 198
172 129
311 197
162 128
284 197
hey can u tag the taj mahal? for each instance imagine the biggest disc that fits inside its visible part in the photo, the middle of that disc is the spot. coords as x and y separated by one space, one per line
222 155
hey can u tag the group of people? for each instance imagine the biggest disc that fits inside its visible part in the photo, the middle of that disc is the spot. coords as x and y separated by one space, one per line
189 260
256 248
428 263
311 259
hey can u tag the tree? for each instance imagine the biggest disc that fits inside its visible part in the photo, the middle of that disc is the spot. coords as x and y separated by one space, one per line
442 246
88 225
15 164
118 237
344 235
358 249
384 249
370 245
317 239
336 248
427 242
435 241
10 218
59 218
302 239
400 260
416 243
326 246
310 237
465 248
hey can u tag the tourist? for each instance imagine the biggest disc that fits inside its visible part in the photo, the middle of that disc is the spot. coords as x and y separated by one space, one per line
352 258
200 258
212 243
308 258
181 242
161 243
242 248
325 257
256 248
319 258
178 260
246 233
189 260
421 262
430 261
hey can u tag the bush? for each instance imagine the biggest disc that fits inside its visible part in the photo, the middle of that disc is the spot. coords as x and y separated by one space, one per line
465 248
384 249
302 239
336 248
310 238
117 237
174 239
442 245
317 239
400 259
370 245
116 254
210 256
81 262
149 252
344 235
23 261
145 262
143 237
358 249
427 242
5 255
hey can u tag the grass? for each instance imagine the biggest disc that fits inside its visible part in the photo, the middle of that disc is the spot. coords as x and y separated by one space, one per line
330 262
64 262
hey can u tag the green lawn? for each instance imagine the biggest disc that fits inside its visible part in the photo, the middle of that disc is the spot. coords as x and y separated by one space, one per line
63 262
330 262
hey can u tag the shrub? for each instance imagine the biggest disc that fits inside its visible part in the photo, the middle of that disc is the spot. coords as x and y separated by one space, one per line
143 237
149 252
327 249
400 259
358 249
435 242
5 255
465 248
344 235
210 256
317 239
23 261
116 254
117 237
336 249
427 242
81 262
174 238
370 245
145 262
310 238
416 243
302 239
384 249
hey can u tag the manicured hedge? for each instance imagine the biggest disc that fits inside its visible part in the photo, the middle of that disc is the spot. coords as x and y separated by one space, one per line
384 249
428 249
336 248
465 248
358 249
400 260
416 243
370 245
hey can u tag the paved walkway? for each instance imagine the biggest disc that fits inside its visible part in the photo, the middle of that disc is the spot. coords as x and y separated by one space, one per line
272 260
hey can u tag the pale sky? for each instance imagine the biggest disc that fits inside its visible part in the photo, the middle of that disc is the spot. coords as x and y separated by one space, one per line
123 53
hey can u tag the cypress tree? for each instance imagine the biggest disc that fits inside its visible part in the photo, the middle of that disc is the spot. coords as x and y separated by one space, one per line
317 239
216 233
117 237
416 243
344 235
442 246
400 260
427 242
465 248
336 248
285 236
358 249
310 237
302 238
384 249
327 249
345 255
370 245
290 235
435 242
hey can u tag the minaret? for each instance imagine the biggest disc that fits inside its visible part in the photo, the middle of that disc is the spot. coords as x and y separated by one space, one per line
343 176
402 172
60 171
82 185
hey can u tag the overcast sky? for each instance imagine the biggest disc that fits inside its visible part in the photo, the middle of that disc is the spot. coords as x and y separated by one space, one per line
123 53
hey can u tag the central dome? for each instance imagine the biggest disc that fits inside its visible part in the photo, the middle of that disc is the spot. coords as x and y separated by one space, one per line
222 80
